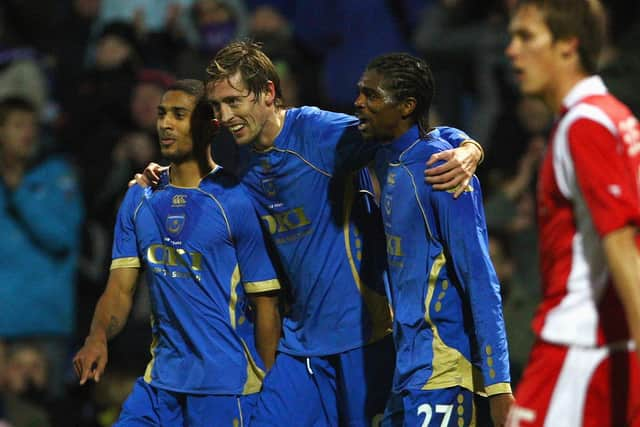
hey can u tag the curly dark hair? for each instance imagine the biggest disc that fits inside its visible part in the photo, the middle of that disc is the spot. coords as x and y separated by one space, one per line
406 76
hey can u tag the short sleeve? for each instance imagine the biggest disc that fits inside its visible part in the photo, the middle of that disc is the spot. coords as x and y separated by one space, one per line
605 175
124 253
256 268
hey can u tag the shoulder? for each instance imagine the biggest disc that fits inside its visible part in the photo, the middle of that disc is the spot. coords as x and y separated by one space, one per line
449 134
422 149
584 114
135 195
315 118
227 190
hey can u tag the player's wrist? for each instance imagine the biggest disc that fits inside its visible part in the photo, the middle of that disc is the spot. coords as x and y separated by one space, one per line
478 148
96 337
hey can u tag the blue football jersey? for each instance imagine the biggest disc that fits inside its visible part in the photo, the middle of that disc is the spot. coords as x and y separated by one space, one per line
448 324
203 251
315 214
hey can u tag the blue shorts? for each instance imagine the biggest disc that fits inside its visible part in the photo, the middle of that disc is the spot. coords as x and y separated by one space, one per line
151 406
454 407
345 389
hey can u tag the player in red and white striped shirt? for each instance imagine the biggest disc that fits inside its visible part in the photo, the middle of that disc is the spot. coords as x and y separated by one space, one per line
583 370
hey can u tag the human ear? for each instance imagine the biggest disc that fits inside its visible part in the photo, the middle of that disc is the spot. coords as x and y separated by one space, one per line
407 107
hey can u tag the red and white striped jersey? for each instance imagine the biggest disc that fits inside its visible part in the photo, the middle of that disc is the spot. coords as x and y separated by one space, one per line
589 185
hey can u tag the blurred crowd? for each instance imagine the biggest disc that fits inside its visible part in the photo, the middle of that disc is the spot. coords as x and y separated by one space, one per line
79 84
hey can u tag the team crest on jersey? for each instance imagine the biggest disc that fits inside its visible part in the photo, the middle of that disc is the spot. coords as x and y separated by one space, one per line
387 204
391 179
179 200
269 187
266 166
175 223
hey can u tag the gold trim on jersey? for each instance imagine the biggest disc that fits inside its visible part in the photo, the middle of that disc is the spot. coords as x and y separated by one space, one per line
152 350
263 286
450 367
255 375
377 305
128 262
498 388
233 295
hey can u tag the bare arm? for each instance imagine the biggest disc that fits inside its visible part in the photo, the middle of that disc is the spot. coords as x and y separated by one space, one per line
499 405
623 260
460 165
111 314
268 327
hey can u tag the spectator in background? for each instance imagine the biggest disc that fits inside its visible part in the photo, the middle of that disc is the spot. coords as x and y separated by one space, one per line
465 40
68 43
216 22
345 35
21 73
96 109
147 15
41 213
23 373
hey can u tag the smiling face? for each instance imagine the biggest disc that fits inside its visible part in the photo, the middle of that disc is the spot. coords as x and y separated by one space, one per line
534 54
174 125
381 116
242 112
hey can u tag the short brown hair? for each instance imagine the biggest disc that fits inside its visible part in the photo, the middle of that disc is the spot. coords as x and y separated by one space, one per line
583 19
254 66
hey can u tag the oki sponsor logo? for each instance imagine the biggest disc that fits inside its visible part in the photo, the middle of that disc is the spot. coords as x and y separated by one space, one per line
171 257
286 221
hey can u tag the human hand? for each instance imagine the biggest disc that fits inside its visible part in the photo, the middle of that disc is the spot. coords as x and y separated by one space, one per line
150 176
90 361
500 405
460 165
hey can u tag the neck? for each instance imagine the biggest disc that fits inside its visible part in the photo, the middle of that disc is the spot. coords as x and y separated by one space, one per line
190 172
271 129
554 97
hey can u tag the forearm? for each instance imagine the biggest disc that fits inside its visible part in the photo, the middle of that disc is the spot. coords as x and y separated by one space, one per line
112 310
110 316
623 260
267 333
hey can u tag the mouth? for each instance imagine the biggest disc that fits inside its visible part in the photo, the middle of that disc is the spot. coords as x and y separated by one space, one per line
235 128
165 141
518 72
363 125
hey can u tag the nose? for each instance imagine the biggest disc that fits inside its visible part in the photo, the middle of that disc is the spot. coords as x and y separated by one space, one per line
164 122
224 113
359 101
511 48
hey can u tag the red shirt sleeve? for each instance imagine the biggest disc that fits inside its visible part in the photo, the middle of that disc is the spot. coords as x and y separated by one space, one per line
606 176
